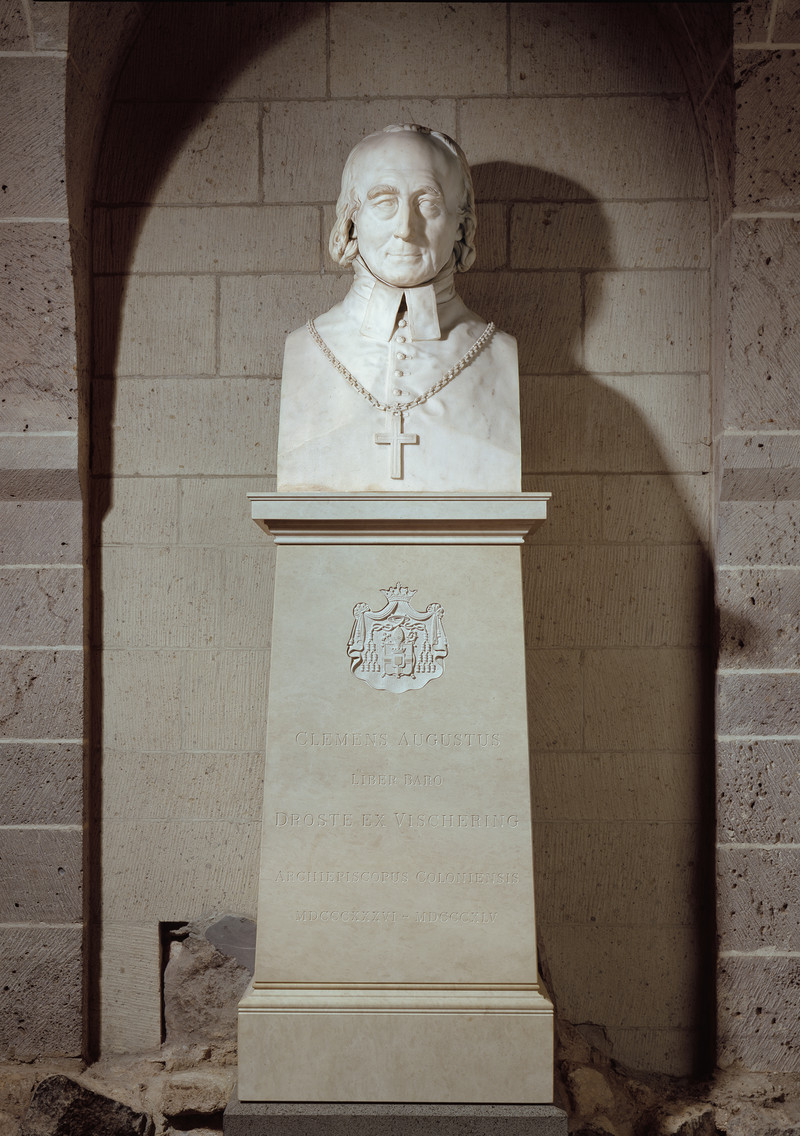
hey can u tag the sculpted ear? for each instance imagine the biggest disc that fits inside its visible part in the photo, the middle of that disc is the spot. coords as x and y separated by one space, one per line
458 242
465 244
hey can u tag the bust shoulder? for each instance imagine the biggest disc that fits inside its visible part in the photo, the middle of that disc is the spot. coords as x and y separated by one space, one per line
473 320
296 344
506 341
473 325
294 337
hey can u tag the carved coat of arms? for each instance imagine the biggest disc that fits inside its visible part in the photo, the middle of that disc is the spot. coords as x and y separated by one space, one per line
397 648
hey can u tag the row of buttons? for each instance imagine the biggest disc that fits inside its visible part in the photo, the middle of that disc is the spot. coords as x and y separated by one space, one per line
400 339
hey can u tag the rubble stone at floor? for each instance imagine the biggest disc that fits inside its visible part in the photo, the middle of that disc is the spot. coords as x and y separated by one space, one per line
60 1106
602 1098
181 1088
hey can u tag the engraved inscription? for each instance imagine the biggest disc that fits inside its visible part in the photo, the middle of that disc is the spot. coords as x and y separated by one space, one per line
346 916
447 739
313 820
361 778
373 876
444 740
456 916
393 822
493 879
397 648
326 915
343 877
421 781
402 820
334 738
456 820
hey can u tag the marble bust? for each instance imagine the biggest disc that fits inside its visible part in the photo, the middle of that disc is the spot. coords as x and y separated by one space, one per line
401 387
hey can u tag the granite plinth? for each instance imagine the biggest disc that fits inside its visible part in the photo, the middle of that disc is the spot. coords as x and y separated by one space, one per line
292 1119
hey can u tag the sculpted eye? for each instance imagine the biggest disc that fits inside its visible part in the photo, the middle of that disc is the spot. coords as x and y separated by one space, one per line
430 206
385 204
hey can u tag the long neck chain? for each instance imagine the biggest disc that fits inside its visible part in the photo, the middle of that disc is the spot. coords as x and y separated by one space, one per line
402 407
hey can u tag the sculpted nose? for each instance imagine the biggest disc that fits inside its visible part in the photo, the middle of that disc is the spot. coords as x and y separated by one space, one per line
403 222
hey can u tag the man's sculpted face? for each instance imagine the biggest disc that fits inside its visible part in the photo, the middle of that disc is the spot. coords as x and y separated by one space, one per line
408 220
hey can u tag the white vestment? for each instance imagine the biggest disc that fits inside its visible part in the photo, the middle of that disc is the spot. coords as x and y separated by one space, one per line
468 433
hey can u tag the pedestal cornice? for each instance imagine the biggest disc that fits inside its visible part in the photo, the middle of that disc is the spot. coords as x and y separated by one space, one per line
408 518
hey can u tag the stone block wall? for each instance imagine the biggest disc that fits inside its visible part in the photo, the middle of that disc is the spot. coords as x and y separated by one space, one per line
41 567
759 558
214 197
601 228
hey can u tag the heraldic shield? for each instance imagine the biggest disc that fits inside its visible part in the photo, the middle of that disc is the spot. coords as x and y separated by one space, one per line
397 648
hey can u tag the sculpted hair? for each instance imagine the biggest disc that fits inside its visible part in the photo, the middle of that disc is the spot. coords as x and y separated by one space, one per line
343 244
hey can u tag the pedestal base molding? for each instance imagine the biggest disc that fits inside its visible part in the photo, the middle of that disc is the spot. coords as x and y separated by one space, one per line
339 1044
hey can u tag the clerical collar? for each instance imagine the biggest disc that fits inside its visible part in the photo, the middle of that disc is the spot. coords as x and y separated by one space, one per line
383 302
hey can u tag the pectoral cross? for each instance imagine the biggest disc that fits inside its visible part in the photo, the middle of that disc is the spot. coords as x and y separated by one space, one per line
396 439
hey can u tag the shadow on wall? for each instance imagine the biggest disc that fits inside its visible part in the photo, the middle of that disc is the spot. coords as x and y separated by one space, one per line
185 55
620 690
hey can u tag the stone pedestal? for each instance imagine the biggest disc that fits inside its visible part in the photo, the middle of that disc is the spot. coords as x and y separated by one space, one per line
396 951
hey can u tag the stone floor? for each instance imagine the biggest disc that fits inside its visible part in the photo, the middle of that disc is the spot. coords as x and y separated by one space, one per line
183 1087
604 1099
